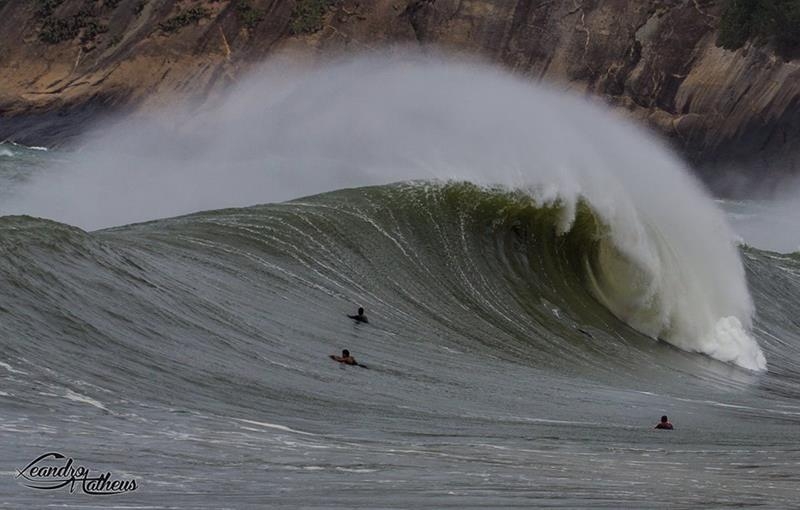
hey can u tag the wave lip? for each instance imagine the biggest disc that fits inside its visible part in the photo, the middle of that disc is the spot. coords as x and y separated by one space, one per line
654 280
667 294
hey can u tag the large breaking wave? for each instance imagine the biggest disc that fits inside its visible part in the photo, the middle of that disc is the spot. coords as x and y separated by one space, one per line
645 239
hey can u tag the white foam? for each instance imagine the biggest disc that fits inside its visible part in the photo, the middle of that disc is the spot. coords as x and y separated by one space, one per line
356 470
77 397
275 426
12 369
729 341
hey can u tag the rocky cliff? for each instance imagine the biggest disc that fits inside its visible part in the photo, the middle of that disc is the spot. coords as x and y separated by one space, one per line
67 62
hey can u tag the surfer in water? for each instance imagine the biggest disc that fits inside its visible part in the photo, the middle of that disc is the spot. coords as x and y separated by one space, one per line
664 423
360 317
347 359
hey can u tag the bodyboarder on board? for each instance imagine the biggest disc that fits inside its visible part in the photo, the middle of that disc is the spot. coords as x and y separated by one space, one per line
347 359
360 317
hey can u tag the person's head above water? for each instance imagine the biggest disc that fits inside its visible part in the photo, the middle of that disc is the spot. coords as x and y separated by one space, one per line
664 419
345 353
359 317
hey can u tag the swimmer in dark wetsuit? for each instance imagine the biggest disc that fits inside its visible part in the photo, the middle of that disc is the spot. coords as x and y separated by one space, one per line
360 317
664 424
344 358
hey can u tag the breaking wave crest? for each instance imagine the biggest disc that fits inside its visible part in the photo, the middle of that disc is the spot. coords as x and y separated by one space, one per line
573 183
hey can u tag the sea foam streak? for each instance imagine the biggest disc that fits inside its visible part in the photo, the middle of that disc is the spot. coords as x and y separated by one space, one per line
669 268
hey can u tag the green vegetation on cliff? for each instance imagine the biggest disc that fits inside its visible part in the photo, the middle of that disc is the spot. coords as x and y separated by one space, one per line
55 30
308 15
184 18
762 21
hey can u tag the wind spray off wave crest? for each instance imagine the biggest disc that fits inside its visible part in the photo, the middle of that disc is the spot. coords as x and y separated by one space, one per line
668 265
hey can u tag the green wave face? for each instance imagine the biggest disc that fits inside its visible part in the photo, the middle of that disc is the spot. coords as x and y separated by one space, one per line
448 264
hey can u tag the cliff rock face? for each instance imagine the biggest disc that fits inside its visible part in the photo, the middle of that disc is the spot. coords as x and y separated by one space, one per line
64 62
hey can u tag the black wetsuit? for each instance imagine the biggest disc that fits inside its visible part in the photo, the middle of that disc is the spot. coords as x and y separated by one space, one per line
359 318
